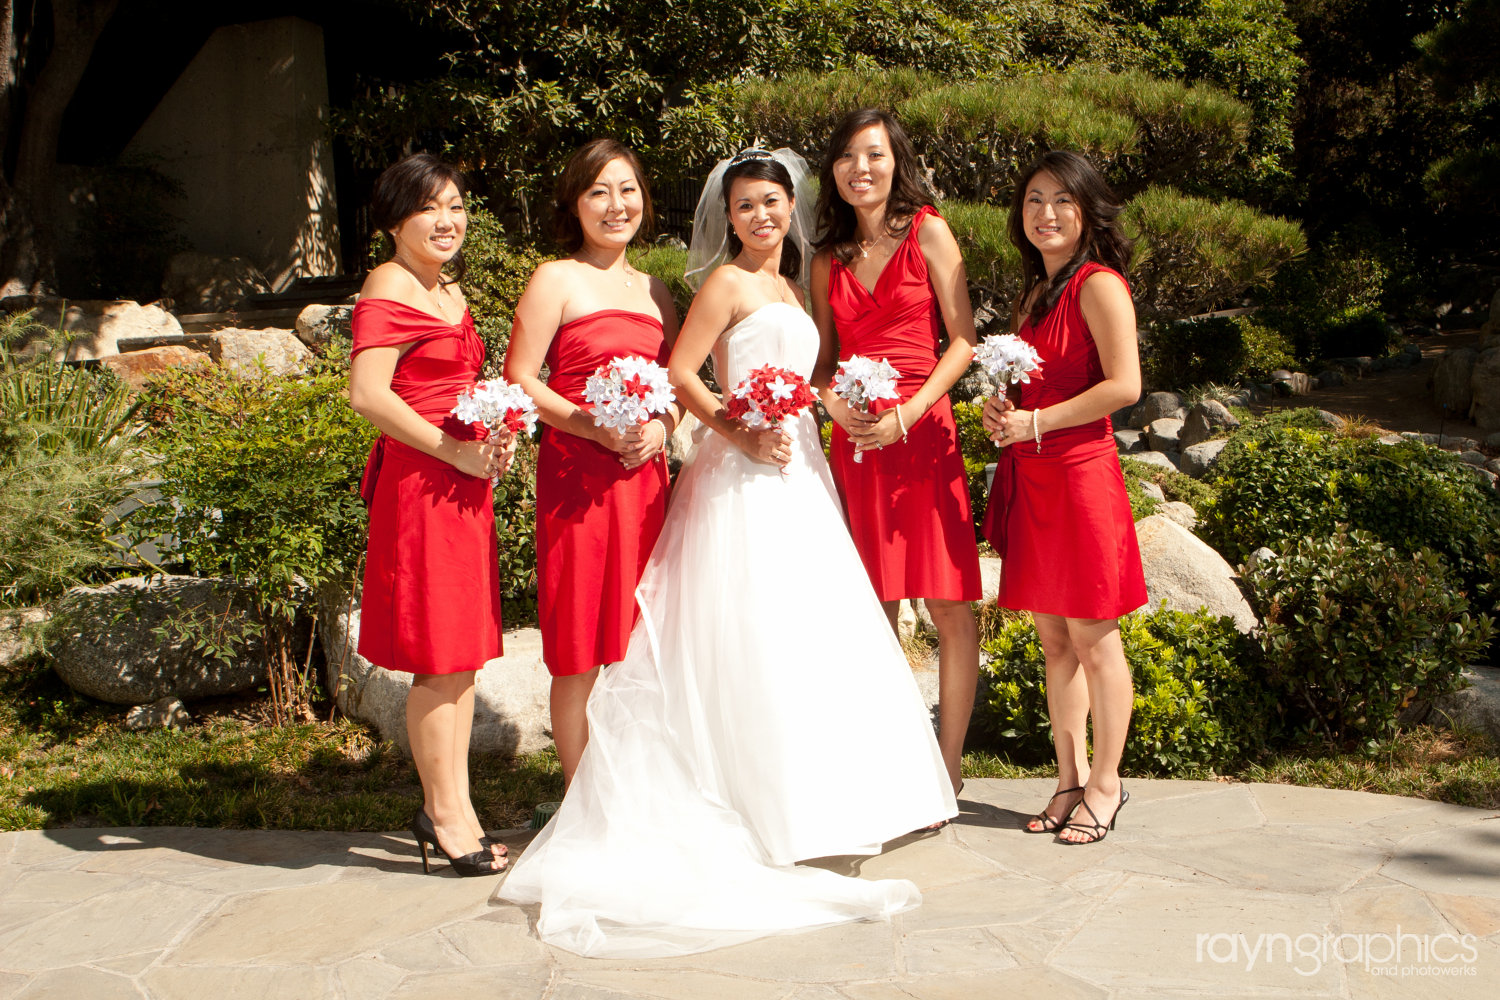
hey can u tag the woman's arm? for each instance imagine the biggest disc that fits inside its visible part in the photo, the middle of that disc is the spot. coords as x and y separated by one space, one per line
1110 315
950 286
646 442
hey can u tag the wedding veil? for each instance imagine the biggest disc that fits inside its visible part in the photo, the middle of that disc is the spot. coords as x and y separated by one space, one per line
710 244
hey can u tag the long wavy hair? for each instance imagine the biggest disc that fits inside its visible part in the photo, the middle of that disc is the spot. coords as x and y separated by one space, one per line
764 168
1101 239
404 187
577 176
836 220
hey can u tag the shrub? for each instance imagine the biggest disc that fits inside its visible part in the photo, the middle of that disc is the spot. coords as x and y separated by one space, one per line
667 262
498 273
1195 707
1175 486
978 451
515 532
1221 349
1328 304
260 477
1354 630
1142 505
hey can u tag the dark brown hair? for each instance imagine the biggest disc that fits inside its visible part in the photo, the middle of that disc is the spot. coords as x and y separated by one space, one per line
836 220
1101 239
578 174
403 188
761 166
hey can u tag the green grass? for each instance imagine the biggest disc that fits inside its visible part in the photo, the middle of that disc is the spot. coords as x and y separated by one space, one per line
68 761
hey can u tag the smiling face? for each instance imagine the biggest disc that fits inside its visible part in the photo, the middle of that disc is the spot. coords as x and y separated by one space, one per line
760 212
609 210
1051 216
433 234
865 169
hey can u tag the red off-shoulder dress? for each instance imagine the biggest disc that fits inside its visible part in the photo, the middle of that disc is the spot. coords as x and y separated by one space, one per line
907 503
1060 518
596 521
431 599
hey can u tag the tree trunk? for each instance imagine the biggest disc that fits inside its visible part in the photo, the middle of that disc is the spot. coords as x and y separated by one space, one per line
27 265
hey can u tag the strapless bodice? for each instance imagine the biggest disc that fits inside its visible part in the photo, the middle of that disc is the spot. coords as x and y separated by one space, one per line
778 333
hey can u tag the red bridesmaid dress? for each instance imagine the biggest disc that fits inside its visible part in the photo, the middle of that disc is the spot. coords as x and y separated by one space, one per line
596 521
431 599
908 503
1060 518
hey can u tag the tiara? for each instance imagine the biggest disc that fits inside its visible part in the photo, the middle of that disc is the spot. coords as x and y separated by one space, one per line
753 153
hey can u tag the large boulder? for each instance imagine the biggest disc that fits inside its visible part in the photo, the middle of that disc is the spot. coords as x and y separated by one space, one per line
1485 385
203 283
110 649
1162 459
318 324
1477 706
1204 420
96 326
1164 434
245 352
1450 380
137 366
1198 459
1187 574
15 641
512 694
1157 405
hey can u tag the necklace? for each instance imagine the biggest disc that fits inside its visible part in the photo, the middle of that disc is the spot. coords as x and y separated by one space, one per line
865 246
432 293
630 274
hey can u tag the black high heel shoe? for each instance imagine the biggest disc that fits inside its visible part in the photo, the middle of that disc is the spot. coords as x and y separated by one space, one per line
481 862
1096 830
1047 823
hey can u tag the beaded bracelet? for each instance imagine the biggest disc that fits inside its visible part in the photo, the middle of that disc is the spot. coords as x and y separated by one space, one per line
900 422
1036 428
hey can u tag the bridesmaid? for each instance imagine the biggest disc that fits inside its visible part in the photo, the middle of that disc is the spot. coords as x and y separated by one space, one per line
601 496
431 599
888 282
1058 513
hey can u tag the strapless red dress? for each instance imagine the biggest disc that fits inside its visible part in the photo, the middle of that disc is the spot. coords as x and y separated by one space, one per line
431 599
596 522
908 503
1060 518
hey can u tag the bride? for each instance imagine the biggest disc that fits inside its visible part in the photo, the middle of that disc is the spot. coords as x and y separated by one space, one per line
764 714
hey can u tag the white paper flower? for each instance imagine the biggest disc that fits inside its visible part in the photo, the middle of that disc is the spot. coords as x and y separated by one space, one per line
1007 358
862 381
627 391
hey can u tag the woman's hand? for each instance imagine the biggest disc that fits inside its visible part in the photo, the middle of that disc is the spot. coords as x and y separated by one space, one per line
1014 426
878 430
480 459
851 419
505 442
993 416
640 445
767 445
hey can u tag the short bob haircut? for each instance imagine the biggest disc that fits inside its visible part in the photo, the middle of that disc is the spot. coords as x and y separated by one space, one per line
1101 240
836 222
587 163
404 187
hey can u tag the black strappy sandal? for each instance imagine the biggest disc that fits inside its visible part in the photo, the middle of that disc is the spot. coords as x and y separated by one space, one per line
479 863
1096 830
1051 824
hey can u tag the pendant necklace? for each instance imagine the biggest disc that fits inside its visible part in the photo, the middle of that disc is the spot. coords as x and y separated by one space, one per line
624 264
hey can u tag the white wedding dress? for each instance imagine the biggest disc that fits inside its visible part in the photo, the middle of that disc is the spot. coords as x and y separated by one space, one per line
764 714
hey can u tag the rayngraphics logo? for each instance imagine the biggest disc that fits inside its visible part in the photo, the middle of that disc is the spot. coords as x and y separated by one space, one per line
1399 954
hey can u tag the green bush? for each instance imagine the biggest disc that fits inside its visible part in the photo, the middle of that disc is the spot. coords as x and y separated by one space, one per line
497 275
978 451
1329 303
1175 486
1354 630
1284 479
1196 706
1222 349
667 262
515 532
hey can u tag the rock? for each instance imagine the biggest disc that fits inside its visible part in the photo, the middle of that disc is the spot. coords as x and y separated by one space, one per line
1333 420
1390 439
1154 492
1197 460
14 626
1485 476
1292 383
136 367
907 618
1161 459
1478 458
1161 404
1204 419
1476 706
1120 419
244 351
1163 433
1380 364
1493 465
1180 512
203 283
1328 378
163 713
109 650
989 475
1420 438
1492 441
318 324
1458 444
1187 574
680 444
96 326
1129 441
1485 383
512 713
1450 380
1257 557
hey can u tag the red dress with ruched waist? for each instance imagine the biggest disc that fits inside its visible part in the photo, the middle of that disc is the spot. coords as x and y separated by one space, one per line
907 503
1059 517
596 521
431 599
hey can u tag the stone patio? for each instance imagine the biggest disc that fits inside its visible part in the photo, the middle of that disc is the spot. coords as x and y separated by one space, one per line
1204 890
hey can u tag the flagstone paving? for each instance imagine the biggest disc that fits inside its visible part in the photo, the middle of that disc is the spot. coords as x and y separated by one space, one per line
1205 890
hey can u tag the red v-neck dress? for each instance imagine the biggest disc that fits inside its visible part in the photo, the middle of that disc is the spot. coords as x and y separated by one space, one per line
1060 518
596 521
907 503
431 598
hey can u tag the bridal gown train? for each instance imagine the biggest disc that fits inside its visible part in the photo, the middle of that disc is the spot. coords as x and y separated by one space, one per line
763 714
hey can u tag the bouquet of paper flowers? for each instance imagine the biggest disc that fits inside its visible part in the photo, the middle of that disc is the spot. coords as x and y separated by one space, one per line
498 405
862 381
626 392
769 395
1007 359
